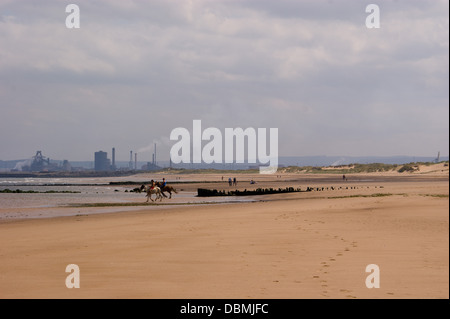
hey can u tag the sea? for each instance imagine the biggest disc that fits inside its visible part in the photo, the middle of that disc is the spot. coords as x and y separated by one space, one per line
56 197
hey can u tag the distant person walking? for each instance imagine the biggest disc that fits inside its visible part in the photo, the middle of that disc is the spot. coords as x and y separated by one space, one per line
230 182
234 181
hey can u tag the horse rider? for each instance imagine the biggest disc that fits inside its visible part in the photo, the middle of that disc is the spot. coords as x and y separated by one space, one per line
164 183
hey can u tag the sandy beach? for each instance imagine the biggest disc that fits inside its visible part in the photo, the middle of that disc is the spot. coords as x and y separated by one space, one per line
294 246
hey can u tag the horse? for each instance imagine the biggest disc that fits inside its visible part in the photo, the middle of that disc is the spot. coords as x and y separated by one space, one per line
155 190
168 189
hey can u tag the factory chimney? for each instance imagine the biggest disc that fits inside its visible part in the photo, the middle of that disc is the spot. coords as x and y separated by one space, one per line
130 164
135 161
113 167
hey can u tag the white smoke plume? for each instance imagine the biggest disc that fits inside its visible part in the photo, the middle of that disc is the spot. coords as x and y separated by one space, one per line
19 166
162 141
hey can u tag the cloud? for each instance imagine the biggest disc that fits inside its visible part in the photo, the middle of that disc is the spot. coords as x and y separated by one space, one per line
135 70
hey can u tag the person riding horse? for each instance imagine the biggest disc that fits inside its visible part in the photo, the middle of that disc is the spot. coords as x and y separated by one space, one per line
166 188
152 189
161 185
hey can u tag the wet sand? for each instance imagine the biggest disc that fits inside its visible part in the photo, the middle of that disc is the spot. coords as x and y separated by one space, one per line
297 245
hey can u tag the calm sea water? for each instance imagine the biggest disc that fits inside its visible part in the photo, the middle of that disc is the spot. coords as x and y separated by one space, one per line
98 191
89 191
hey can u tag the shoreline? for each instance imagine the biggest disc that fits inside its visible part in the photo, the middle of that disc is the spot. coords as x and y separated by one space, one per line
287 246
361 185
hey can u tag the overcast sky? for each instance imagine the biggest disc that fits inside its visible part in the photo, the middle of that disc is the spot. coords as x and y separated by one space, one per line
135 70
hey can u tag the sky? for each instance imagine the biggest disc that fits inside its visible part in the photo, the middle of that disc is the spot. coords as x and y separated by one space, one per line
136 70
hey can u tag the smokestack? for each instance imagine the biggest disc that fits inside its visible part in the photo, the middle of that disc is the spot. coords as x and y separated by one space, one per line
155 154
135 161
130 164
114 158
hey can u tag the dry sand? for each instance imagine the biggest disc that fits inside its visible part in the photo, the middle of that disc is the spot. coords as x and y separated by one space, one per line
299 245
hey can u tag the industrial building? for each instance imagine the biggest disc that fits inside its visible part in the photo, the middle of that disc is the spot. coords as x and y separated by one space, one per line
102 163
